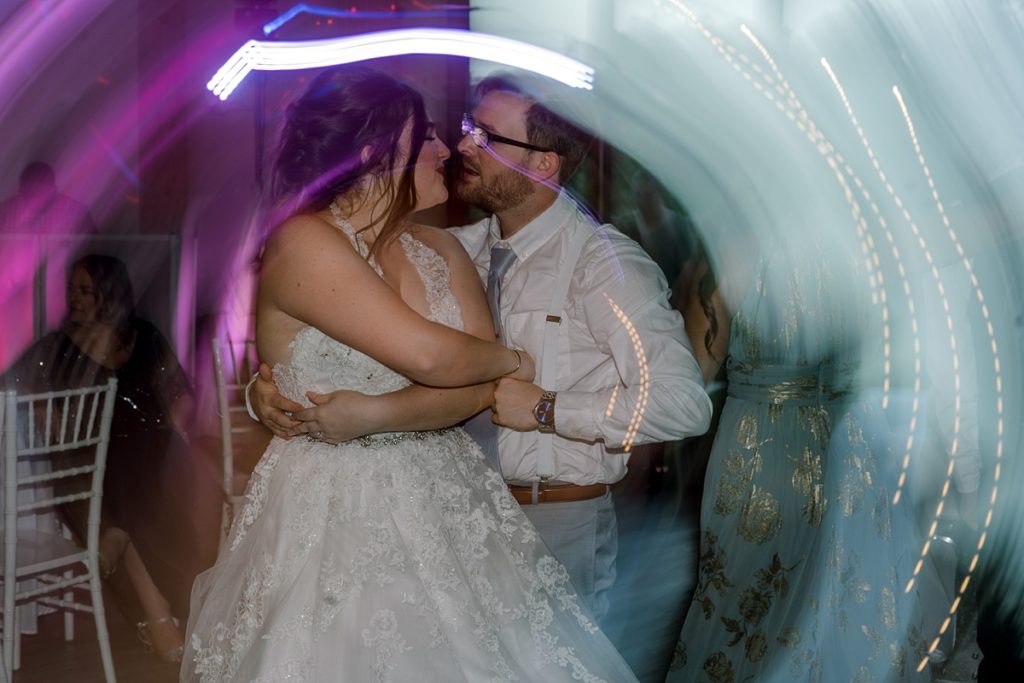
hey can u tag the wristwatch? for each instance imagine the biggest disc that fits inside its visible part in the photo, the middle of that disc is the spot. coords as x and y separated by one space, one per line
544 412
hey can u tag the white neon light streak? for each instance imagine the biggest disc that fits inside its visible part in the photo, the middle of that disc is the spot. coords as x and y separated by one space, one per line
806 124
611 401
286 56
940 288
784 98
911 307
644 387
922 243
954 238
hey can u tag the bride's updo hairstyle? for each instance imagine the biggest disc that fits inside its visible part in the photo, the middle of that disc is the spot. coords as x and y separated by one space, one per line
345 110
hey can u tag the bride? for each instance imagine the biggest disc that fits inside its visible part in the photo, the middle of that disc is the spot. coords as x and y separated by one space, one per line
392 557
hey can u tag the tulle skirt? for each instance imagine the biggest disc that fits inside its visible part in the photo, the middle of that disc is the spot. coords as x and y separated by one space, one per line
394 558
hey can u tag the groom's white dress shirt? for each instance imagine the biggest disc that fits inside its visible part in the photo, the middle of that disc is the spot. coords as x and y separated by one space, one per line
621 347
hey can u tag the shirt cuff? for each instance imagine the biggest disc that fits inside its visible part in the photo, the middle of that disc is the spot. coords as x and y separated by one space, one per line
248 400
574 416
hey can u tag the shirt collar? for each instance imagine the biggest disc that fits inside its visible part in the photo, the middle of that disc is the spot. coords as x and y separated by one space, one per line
537 232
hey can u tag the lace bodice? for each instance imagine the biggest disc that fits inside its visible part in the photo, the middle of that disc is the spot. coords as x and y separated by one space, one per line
322 364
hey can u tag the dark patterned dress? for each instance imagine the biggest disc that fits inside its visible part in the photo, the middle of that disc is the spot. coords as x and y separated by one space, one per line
150 480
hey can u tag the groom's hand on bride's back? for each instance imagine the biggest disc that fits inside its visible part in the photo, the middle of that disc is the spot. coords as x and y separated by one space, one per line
274 410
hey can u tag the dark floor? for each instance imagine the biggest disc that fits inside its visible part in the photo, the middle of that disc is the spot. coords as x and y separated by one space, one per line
962 665
47 658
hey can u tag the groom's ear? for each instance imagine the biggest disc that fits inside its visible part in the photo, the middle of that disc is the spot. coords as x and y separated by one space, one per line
548 166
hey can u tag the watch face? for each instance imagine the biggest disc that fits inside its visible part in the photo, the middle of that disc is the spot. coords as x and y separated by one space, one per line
544 412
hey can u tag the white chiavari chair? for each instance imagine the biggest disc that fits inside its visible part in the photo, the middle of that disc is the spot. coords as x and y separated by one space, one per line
233 365
68 431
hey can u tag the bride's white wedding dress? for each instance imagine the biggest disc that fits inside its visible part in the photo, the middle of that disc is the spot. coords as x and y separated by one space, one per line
394 557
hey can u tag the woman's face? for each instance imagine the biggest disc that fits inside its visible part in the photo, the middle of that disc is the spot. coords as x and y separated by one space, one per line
428 176
82 301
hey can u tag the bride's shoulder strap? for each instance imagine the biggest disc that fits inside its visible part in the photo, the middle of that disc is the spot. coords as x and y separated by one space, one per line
455 277
424 248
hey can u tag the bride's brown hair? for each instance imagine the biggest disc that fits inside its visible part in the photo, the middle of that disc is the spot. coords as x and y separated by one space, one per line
345 110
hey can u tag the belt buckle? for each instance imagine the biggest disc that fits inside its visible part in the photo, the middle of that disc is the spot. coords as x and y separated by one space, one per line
537 488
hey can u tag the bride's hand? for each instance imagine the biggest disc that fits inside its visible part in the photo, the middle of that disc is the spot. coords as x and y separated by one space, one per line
341 415
526 369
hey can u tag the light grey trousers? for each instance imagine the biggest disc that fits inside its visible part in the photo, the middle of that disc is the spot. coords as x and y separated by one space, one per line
582 535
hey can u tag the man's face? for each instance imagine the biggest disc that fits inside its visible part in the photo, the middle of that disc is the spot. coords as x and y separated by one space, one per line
490 177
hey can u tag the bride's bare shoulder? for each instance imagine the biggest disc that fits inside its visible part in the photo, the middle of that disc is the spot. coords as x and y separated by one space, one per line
303 233
299 226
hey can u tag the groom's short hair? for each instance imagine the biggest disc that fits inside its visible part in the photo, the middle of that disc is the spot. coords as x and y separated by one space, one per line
544 128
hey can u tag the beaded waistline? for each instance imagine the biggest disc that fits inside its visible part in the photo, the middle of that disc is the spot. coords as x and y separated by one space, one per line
393 438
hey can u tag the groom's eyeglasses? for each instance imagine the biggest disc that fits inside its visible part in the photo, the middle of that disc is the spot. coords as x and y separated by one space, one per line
483 138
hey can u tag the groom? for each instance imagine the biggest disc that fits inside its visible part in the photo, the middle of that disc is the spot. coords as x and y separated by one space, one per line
614 365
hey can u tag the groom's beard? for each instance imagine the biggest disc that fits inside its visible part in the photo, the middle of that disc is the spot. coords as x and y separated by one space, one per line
504 191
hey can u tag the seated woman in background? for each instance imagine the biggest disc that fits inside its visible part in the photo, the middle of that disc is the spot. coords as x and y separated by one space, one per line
149 540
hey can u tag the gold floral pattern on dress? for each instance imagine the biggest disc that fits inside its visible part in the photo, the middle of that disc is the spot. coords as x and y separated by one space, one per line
739 471
817 421
855 432
719 668
863 675
734 481
858 479
796 311
876 639
881 515
713 561
887 608
757 647
897 658
754 604
851 493
760 519
744 335
814 509
807 481
790 638
848 586
746 432
805 661
855 588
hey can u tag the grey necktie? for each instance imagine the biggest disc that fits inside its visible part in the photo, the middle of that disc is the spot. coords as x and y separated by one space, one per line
501 259
480 426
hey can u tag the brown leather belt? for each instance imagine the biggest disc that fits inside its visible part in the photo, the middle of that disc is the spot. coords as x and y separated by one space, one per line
557 493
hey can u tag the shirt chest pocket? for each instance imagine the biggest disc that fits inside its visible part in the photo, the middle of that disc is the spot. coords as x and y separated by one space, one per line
525 330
